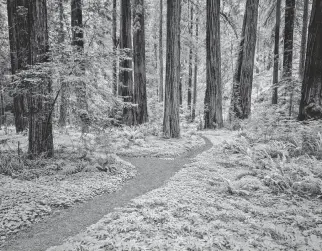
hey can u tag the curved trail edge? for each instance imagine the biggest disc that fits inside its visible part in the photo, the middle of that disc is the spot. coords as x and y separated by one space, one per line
53 230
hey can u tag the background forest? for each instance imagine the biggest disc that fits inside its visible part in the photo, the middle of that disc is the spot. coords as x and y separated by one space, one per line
100 66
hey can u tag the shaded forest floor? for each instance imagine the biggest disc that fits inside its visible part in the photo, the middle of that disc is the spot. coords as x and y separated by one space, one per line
83 168
253 190
226 200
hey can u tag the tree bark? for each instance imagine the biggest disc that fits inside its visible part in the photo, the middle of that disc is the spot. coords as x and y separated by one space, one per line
40 102
288 38
180 90
276 52
125 75
243 78
155 50
78 44
311 100
115 44
288 48
2 118
195 79
304 37
140 97
64 92
28 35
189 96
213 97
161 53
19 47
171 126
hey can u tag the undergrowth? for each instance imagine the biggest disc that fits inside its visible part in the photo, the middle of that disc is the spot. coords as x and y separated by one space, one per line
284 153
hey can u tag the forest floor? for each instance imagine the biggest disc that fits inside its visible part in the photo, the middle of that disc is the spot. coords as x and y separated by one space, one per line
225 200
83 168
242 194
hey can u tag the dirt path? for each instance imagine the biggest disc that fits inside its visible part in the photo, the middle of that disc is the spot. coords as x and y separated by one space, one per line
152 173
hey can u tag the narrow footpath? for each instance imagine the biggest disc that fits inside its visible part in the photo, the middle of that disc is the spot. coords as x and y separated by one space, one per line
52 231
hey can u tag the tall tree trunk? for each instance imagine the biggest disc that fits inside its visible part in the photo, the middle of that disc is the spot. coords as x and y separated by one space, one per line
2 119
140 97
276 52
78 44
180 89
155 49
288 48
125 77
161 53
311 100
288 38
304 37
243 78
171 125
64 92
19 48
189 96
40 102
213 97
115 58
194 104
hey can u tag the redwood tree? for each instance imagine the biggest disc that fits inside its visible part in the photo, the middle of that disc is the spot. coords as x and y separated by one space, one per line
140 97
243 78
311 100
276 51
29 47
64 96
288 38
189 96
288 50
171 126
125 71
195 78
161 52
19 35
304 37
115 44
2 116
213 98
78 44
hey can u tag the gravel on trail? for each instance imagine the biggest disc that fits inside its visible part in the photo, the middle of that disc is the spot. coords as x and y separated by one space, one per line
152 173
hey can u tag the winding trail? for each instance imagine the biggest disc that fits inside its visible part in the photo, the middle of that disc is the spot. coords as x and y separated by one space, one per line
152 173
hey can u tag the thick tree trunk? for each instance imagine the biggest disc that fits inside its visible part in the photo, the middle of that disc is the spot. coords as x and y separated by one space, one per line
19 51
140 97
20 111
125 77
180 90
213 98
78 44
40 101
189 96
63 107
115 58
64 92
195 79
171 125
311 100
288 38
243 78
155 50
161 53
276 52
288 49
304 37
2 118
